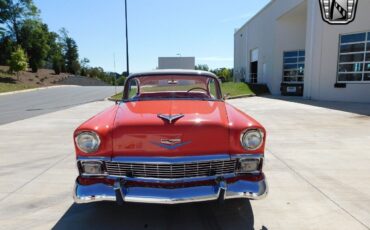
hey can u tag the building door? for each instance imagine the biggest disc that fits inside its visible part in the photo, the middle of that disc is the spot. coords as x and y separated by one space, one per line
253 73
293 73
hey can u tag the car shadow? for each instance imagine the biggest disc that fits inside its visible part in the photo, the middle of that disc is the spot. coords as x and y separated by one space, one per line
351 107
233 214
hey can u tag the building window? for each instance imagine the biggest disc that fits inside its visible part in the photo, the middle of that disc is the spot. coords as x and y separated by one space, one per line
354 58
293 66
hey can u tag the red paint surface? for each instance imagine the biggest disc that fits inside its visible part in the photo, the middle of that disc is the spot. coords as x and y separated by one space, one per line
138 128
132 128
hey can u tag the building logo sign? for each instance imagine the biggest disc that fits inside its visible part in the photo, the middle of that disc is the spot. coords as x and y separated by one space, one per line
338 12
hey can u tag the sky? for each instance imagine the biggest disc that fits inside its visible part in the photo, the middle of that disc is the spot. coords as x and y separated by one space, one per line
200 28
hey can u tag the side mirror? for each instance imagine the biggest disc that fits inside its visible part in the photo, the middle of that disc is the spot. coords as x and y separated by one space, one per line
226 96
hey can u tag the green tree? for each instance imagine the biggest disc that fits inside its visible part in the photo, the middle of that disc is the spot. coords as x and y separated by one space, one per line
84 66
55 55
7 46
70 51
2 32
18 61
58 63
95 72
13 13
99 73
121 81
85 62
74 67
34 38
202 67
124 74
225 74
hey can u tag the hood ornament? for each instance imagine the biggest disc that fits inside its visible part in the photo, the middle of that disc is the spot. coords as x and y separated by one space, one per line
170 118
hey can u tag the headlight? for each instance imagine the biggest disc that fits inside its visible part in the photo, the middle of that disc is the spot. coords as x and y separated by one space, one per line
88 142
251 139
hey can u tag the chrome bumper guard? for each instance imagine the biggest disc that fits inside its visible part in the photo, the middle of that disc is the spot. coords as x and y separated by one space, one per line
220 191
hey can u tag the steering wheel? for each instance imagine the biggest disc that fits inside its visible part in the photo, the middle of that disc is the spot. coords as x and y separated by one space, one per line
197 88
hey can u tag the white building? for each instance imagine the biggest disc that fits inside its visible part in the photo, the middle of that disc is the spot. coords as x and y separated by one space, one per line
289 47
176 63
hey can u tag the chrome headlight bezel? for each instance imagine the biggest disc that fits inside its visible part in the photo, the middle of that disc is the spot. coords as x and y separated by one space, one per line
94 136
244 134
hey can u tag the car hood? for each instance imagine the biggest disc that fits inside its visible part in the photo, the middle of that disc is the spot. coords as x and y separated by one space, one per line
138 131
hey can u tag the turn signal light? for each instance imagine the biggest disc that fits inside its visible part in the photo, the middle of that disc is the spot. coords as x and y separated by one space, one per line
249 165
92 168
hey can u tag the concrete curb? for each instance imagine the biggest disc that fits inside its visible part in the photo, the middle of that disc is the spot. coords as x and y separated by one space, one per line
110 99
241 96
36 89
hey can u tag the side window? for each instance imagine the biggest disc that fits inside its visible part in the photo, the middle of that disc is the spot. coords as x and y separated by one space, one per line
354 58
212 88
133 90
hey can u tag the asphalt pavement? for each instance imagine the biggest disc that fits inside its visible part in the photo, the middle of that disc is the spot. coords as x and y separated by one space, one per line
24 105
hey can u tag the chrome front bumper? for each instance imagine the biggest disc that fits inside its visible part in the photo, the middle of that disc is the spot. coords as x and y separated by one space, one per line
221 190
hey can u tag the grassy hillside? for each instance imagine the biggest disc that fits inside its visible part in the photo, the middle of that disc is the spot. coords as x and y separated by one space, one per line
27 79
43 78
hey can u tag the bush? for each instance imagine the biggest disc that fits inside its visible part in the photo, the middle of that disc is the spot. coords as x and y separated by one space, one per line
75 67
58 64
121 81
224 73
18 61
83 72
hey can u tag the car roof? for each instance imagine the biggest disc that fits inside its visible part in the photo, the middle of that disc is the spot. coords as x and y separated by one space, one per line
174 72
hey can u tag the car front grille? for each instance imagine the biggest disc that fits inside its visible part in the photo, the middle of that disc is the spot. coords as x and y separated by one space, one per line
171 171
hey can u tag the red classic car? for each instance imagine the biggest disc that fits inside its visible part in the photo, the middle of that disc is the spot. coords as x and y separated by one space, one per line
172 139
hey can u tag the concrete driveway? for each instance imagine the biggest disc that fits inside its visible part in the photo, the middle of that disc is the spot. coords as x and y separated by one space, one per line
317 163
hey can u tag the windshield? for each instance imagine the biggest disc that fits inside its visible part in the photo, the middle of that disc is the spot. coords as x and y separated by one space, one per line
172 87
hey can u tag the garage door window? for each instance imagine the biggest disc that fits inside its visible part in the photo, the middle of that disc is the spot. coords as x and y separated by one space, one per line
354 58
293 66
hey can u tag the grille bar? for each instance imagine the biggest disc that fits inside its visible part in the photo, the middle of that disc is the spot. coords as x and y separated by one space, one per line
172 171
